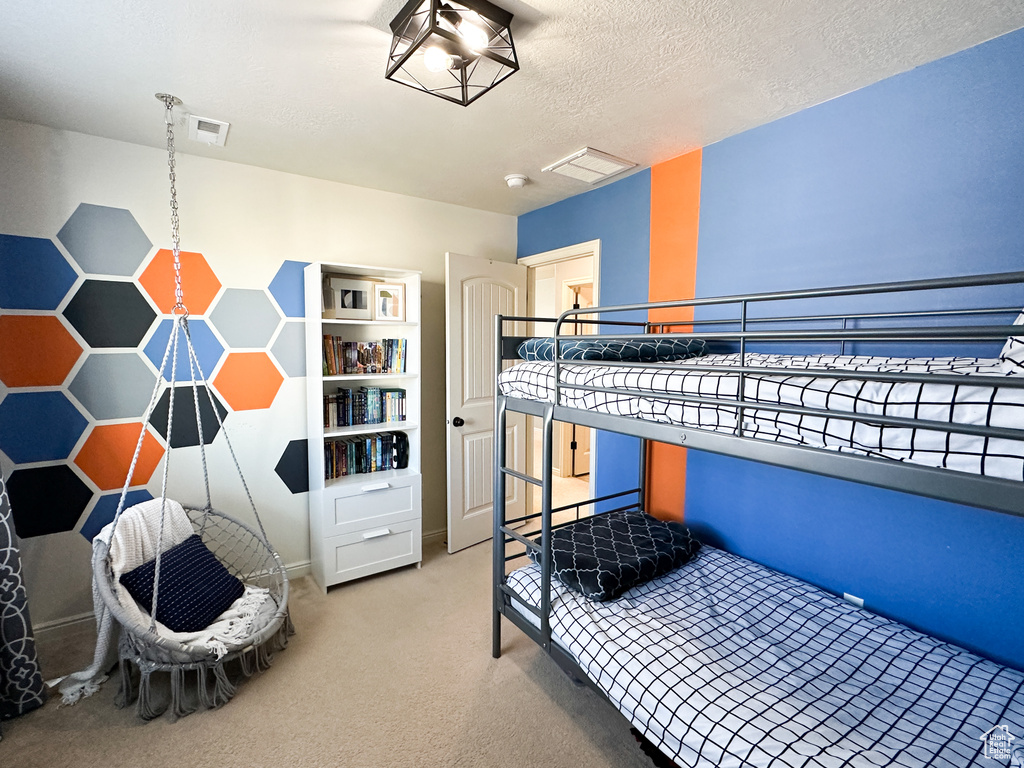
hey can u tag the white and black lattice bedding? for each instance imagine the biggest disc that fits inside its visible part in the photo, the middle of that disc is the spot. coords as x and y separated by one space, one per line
976 405
724 662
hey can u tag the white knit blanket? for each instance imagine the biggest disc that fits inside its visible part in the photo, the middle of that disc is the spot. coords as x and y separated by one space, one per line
134 539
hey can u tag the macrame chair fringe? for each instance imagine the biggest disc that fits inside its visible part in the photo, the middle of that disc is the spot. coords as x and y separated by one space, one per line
126 691
145 702
213 687
202 685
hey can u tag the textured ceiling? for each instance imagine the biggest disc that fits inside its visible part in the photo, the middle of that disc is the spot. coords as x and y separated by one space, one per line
302 84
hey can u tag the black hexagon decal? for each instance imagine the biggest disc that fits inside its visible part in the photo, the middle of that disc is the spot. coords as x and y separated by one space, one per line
110 314
184 430
46 500
293 468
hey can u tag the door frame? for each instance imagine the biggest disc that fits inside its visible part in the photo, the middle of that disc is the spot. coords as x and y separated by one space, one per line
590 248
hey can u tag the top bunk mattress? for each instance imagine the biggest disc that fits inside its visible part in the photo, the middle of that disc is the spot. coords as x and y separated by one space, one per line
725 662
637 389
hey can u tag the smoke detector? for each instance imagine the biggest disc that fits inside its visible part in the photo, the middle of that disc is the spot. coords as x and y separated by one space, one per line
590 165
207 131
516 180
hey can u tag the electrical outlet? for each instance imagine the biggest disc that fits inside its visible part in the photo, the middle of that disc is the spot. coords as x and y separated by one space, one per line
853 599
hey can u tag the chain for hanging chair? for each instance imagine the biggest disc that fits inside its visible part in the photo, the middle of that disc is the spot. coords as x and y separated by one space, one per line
179 328
261 616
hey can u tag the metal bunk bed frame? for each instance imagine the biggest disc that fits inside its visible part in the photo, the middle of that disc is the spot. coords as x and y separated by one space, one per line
1001 495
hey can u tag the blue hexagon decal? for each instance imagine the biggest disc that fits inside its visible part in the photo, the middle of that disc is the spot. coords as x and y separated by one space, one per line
39 426
208 349
106 508
104 240
287 288
35 273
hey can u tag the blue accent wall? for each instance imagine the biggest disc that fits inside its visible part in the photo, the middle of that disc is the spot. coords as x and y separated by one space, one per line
920 175
619 215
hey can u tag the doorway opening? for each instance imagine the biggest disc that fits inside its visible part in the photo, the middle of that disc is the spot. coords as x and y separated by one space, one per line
558 280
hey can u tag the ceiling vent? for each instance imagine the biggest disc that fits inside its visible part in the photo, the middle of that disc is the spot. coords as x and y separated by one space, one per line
590 165
208 131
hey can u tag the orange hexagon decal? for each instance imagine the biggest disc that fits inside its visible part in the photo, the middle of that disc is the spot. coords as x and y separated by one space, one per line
38 351
107 455
248 381
198 283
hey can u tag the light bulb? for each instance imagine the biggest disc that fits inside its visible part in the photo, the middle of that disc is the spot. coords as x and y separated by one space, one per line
436 60
475 36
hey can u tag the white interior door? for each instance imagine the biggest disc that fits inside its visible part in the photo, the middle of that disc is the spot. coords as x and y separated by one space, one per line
475 291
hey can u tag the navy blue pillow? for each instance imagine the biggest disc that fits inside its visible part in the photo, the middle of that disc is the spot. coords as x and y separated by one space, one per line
641 350
604 555
195 588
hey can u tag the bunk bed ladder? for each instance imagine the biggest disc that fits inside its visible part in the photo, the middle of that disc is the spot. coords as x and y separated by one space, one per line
503 533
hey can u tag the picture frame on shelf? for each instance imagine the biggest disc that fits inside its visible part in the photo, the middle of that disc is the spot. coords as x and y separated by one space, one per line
389 302
350 299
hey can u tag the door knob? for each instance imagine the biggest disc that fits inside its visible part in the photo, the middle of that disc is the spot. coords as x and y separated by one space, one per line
458 421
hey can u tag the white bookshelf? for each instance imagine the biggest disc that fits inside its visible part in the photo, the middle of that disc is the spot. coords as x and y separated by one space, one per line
365 523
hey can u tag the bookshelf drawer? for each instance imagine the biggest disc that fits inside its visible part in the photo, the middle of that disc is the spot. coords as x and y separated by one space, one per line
378 549
372 502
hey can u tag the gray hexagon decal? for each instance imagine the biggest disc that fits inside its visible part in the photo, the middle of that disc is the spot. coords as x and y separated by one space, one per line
290 349
245 318
104 240
114 385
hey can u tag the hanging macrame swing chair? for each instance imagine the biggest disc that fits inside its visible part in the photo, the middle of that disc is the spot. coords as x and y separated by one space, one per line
191 588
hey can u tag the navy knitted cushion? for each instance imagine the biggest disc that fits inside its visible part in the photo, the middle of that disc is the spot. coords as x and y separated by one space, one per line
641 350
1012 357
195 588
604 555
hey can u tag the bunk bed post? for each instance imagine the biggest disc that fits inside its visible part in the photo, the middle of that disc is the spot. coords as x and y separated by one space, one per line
741 385
498 538
545 530
642 484
649 327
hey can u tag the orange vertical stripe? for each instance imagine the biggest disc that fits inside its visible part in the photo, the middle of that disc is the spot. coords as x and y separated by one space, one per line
675 217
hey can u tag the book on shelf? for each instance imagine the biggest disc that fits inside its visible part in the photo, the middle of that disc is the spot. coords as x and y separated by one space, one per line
359 455
366 405
342 357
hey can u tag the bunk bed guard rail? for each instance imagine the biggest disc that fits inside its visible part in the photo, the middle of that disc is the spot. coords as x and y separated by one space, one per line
958 326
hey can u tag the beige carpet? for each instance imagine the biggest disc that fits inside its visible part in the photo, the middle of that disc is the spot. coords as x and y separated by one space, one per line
393 670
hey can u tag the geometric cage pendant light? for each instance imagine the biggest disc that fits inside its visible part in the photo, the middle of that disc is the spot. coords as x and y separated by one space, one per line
457 50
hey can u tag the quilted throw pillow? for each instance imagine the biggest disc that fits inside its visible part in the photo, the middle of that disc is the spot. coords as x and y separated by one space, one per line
604 555
195 588
1011 359
641 351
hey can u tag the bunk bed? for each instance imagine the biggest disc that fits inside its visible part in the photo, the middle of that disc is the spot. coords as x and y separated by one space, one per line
716 660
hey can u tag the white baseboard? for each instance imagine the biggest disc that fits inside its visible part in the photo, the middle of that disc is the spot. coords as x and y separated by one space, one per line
58 625
298 569
294 570
429 537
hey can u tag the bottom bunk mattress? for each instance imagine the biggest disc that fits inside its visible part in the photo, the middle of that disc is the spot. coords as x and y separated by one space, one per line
724 662
638 387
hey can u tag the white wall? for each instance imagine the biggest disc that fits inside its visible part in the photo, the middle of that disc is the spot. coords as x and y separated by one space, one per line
246 221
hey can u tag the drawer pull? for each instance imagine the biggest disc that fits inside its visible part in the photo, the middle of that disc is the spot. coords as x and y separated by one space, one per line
376 534
375 487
